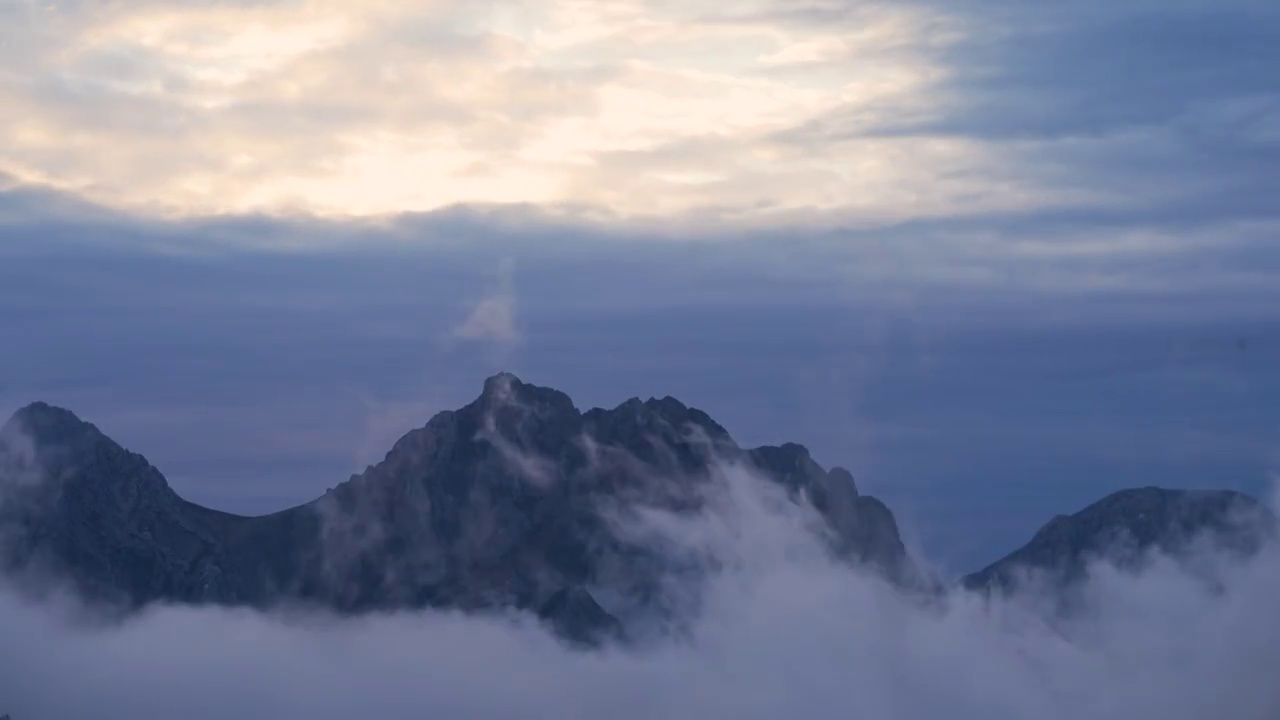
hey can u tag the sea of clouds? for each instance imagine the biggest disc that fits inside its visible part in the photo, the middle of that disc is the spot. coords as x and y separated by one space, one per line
783 632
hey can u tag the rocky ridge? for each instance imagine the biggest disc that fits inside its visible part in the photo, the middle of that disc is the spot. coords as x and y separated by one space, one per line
494 506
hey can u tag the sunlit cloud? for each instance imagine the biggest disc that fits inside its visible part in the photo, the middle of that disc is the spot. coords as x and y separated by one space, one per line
769 112
630 108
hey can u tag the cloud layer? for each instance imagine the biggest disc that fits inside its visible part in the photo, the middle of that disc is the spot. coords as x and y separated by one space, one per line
783 633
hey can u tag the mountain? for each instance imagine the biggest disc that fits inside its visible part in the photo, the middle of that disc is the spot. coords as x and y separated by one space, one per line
515 502
507 503
1127 525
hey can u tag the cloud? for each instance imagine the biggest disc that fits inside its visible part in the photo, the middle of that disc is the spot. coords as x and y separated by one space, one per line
1139 106
494 317
835 114
784 633
313 105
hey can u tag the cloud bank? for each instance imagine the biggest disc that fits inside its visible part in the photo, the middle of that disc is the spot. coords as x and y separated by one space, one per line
783 633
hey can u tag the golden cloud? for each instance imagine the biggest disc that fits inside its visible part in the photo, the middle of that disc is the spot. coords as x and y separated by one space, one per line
634 108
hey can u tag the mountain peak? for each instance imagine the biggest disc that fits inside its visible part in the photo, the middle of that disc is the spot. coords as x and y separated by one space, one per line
51 442
47 425
81 502
505 390
41 415
501 384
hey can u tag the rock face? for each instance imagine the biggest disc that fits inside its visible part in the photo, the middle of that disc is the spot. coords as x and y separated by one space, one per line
1124 526
493 506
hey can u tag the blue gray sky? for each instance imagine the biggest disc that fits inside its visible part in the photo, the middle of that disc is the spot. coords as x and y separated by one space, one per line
998 258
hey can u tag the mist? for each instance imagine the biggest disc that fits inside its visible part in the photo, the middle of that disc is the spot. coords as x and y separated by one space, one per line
782 630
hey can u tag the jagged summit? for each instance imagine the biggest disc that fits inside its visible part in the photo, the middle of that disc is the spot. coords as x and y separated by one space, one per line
505 388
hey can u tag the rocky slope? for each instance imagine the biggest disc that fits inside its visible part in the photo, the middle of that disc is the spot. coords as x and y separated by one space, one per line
496 505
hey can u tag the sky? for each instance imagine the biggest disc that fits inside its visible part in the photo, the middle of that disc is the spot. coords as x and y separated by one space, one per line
998 258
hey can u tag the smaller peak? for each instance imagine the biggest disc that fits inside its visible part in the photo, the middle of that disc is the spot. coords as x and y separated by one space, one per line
40 410
44 421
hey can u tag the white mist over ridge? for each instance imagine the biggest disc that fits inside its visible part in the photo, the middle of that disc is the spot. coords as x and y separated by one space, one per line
783 632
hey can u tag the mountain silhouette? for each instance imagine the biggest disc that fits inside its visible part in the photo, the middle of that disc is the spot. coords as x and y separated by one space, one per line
511 503
497 506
